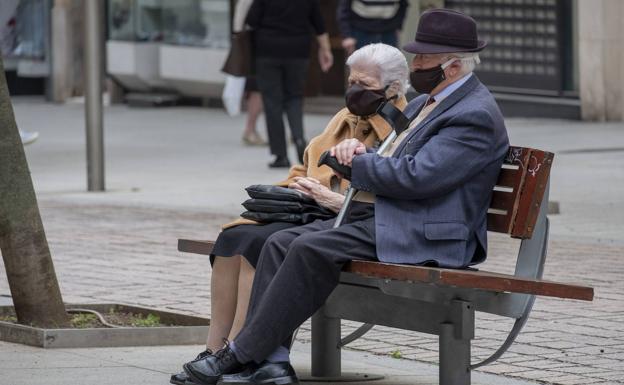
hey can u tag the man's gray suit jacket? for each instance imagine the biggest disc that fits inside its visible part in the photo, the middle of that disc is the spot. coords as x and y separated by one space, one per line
432 195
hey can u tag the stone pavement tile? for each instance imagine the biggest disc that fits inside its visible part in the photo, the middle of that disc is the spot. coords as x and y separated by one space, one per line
573 379
615 376
546 364
556 377
502 368
617 364
606 383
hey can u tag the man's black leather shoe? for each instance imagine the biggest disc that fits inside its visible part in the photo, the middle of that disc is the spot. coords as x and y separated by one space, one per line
208 370
280 161
266 373
182 378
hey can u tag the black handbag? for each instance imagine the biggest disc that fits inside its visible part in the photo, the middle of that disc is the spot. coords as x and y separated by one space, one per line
240 58
265 191
298 218
270 203
272 206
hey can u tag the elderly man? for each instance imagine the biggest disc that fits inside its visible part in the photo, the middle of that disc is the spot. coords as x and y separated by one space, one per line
430 193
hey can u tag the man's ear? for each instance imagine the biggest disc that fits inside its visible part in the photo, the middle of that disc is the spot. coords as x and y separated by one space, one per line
455 68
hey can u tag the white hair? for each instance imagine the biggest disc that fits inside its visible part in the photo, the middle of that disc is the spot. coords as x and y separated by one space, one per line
390 62
469 60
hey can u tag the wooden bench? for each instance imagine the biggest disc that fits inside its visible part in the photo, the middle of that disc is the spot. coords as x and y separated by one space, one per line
443 301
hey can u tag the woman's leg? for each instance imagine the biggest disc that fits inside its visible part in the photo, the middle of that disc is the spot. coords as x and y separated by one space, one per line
245 282
223 295
254 109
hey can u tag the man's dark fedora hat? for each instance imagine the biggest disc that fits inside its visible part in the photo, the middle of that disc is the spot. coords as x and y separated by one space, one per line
445 31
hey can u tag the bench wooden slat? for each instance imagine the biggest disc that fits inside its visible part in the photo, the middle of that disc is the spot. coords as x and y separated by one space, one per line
449 277
509 178
470 279
498 221
195 246
502 200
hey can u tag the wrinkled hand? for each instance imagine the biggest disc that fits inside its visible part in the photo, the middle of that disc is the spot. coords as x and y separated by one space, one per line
321 194
348 45
346 150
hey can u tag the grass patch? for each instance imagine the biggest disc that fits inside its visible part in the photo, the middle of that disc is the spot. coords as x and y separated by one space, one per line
151 320
8 318
84 321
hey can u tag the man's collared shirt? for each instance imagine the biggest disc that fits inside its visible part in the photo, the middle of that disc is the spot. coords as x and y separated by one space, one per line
440 96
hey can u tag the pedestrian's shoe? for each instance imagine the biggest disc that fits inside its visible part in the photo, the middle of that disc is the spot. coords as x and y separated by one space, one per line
281 373
253 139
208 370
280 161
300 144
182 378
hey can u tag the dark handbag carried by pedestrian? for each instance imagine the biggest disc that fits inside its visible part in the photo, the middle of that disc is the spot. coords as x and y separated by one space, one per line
240 58
270 203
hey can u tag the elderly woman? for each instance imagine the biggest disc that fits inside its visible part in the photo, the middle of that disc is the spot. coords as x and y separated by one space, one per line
378 72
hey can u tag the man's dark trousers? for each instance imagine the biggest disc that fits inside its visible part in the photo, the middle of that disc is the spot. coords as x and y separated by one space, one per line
297 271
281 82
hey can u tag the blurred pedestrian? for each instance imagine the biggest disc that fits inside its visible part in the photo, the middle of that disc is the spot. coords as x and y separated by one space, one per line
363 22
282 40
254 99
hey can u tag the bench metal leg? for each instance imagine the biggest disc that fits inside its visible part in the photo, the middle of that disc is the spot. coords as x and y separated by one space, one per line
326 360
325 345
455 336
454 357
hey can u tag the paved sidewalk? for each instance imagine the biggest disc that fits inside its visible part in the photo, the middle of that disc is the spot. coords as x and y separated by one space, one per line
179 172
154 365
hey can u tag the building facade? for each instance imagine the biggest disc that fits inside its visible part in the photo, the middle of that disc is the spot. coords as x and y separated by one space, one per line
558 58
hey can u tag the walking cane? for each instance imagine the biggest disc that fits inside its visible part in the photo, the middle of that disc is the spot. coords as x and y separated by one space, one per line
398 122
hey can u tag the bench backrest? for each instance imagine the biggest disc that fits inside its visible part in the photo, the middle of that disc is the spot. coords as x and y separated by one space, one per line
519 192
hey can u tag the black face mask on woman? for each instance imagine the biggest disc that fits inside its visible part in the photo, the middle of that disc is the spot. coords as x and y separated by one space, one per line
424 81
363 102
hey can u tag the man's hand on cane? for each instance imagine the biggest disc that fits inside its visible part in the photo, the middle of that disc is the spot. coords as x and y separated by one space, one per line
346 150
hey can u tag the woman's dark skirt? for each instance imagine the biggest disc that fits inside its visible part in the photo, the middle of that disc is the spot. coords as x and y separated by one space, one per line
246 240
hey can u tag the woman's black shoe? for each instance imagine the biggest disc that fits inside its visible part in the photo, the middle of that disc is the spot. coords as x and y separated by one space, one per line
280 161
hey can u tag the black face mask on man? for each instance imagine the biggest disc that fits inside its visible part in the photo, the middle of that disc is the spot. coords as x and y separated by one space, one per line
363 102
424 81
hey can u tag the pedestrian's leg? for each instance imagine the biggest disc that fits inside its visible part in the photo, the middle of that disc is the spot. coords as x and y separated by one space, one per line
223 290
254 109
269 75
307 276
245 282
295 71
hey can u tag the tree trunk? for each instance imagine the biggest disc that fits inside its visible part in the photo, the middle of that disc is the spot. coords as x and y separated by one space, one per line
34 288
